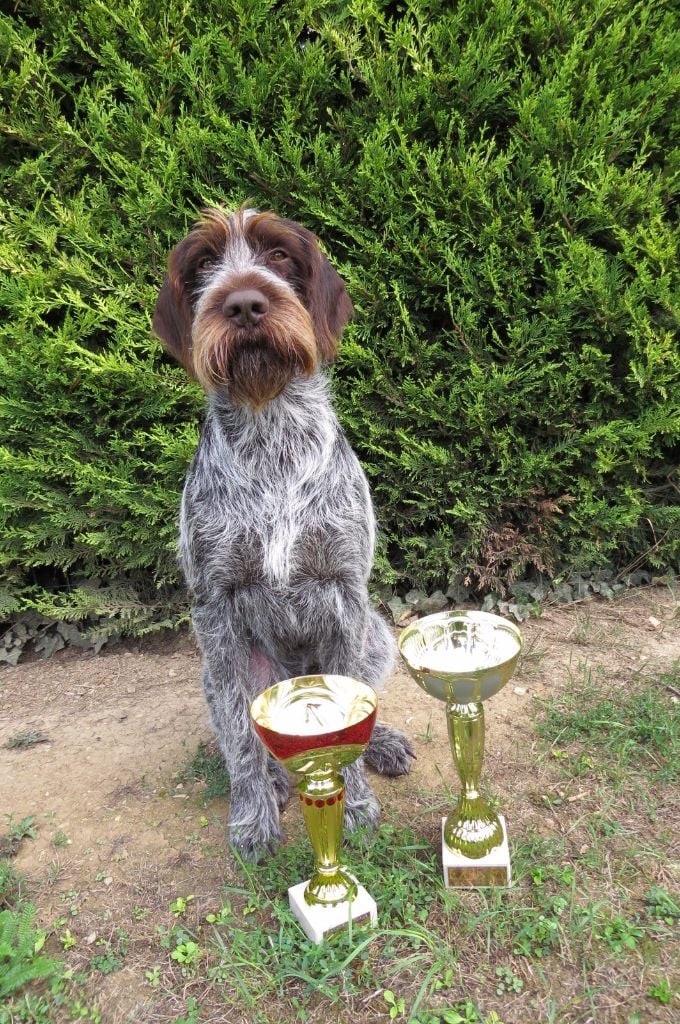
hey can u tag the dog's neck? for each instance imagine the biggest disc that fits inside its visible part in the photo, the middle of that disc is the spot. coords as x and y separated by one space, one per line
301 417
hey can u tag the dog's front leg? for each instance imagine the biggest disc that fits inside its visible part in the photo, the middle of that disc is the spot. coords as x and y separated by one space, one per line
341 620
344 624
253 807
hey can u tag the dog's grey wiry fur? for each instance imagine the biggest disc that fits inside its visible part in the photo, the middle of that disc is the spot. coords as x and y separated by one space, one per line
276 526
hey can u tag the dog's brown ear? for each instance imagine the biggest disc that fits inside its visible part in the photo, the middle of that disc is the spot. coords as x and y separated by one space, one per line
328 303
172 317
330 308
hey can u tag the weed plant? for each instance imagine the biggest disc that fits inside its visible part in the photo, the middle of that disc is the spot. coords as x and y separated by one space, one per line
20 945
10 885
24 740
207 766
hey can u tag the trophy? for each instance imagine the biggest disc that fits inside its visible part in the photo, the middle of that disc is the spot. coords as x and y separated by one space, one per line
316 725
463 658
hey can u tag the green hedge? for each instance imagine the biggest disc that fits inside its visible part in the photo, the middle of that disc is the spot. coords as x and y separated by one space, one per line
494 180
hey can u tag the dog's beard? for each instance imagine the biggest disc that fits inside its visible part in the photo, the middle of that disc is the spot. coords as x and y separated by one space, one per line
254 364
257 372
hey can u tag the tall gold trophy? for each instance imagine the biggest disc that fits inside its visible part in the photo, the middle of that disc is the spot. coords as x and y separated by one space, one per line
463 658
316 725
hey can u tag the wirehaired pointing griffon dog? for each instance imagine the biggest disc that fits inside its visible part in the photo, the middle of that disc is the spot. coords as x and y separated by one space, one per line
276 526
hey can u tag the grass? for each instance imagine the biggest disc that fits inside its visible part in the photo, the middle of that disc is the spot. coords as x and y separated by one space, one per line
441 956
576 927
622 730
472 955
206 766
585 933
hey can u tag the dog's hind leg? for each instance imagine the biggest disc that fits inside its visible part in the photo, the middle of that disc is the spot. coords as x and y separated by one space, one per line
389 751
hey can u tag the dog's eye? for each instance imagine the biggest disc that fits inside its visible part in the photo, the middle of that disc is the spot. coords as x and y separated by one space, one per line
206 263
277 255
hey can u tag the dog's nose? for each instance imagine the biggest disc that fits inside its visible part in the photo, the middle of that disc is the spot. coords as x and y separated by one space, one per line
245 307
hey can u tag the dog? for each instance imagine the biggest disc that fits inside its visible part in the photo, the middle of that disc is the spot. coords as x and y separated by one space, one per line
276 525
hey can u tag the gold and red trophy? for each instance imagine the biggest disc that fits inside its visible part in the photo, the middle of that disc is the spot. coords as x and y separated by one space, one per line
316 725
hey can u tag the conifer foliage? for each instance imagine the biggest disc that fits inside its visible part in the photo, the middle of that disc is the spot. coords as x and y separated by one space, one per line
494 180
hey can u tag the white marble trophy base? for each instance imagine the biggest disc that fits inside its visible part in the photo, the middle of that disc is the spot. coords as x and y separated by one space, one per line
318 921
467 873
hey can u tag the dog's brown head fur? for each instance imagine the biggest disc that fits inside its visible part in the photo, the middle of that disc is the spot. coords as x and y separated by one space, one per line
250 301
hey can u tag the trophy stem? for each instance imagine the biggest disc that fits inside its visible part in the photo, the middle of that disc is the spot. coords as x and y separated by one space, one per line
322 797
472 828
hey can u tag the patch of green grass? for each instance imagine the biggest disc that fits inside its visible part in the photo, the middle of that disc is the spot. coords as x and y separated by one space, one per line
431 946
63 1000
662 991
461 1013
661 906
443 955
532 920
437 957
262 954
614 730
60 840
207 765
426 735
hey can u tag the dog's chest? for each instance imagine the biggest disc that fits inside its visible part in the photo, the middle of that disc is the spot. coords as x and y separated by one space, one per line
281 539
280 522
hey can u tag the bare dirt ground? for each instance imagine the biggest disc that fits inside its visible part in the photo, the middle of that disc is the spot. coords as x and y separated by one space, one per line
118 838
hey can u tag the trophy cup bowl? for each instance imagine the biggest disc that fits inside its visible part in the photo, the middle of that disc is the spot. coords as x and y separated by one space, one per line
463 658
316 725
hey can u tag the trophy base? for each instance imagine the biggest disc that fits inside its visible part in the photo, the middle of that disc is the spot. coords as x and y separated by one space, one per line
318 921
462 872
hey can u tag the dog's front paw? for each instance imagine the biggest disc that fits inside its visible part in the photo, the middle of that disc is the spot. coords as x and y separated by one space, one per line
254 829
253 842
389 751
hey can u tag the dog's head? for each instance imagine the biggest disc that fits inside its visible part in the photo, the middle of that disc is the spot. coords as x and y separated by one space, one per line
250 301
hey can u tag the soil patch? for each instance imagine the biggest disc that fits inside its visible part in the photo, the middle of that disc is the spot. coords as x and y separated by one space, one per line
118 838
